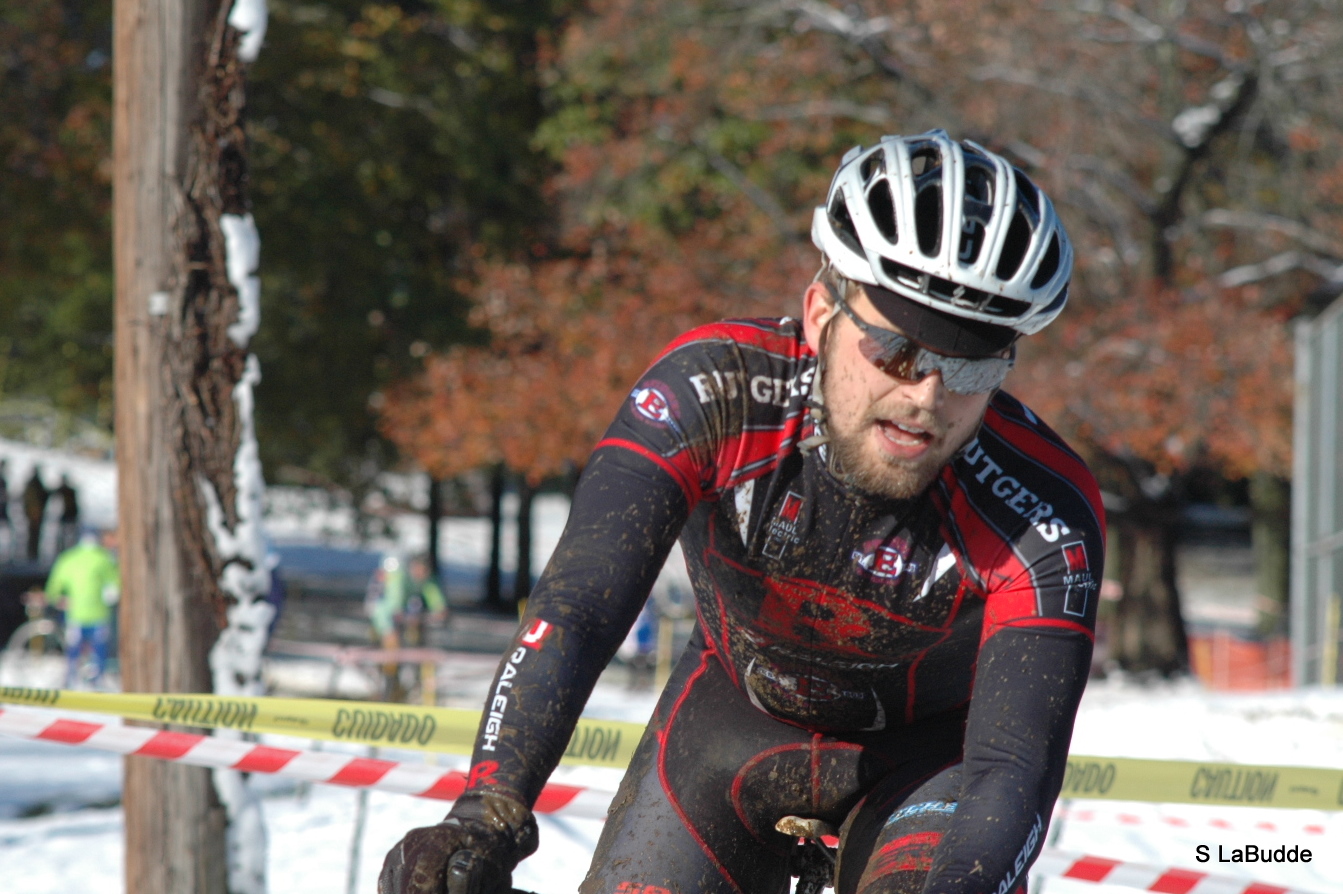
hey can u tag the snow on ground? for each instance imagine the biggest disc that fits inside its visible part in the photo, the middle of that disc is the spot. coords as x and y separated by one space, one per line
76 843
311 828
1183 721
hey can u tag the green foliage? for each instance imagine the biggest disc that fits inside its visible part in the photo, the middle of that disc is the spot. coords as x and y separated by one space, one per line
55 204
389 146
673 113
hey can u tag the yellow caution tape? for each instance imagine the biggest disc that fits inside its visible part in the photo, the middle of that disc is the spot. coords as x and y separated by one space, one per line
601 743
1195 782
610 743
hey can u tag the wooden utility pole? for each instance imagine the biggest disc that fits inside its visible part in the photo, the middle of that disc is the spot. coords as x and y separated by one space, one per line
177 100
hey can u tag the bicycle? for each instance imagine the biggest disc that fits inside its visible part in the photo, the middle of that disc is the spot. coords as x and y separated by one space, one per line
812 862
34 654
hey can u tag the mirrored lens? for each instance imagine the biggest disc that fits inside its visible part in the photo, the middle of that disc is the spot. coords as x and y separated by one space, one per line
901 358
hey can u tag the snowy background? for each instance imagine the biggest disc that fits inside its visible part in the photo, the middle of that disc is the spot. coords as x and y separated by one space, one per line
61 831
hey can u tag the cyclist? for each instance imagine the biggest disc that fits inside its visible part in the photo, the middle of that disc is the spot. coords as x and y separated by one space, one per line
397 596
894 564
84 584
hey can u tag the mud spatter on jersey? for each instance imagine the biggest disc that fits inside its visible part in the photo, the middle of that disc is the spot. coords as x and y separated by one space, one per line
830 609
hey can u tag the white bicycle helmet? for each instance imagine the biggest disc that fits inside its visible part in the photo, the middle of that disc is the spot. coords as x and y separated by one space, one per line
950 226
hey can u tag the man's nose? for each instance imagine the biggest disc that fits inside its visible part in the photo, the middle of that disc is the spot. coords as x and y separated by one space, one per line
928 392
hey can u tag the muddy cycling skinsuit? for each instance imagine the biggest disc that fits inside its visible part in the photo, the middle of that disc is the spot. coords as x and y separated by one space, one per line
839 638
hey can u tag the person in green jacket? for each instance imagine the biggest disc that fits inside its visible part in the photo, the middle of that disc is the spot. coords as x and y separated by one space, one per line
399 597
84 584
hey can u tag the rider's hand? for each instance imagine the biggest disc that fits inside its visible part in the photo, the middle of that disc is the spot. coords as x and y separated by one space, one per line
473 851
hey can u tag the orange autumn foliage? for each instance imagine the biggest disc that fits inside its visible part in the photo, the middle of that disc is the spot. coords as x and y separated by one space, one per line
693 138
569 337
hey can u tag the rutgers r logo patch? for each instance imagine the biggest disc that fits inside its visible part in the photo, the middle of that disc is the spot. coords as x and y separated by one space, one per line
654 403
880 561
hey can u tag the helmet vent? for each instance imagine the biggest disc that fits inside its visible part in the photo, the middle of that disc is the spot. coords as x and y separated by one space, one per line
842 223
1014 247
1057 304
1049 264
948 292
1028 196
926 164
925 160
874 164
881 204
977 212
928 219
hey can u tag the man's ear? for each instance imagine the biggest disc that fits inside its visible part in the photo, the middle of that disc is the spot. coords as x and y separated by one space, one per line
817 308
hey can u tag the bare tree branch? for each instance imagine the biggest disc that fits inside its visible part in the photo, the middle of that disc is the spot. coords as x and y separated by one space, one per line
759 197
1279 264
865 34
879 116
1087 92
1117 179
1252 220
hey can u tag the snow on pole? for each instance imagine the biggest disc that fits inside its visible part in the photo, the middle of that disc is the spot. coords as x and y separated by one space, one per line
249 17
242 254
235 659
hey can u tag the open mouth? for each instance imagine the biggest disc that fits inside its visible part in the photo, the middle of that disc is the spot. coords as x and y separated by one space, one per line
904 435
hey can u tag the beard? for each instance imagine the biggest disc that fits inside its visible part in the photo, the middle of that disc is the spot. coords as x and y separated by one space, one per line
877 473
860 466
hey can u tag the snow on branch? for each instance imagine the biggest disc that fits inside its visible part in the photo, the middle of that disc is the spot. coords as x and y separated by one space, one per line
824 17
1279 264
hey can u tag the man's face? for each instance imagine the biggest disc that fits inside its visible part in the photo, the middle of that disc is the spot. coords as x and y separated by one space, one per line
891 437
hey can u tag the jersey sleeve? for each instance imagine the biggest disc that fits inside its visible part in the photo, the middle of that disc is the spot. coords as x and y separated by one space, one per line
1027 691
1030 531
657 460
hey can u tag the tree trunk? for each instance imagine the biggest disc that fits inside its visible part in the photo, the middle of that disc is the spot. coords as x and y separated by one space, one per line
493 584
522 581
1148 634
189 484
175 825
435 513
1270 530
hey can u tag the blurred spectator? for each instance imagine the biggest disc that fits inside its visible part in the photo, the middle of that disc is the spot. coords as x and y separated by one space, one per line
84 584
68 532
35 496
639 649
277 592
424 601
399 595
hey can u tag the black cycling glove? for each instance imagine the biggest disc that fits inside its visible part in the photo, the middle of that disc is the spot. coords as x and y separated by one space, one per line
473 851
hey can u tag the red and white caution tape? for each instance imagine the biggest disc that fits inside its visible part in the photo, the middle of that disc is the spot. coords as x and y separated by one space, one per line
1159 879
1127 818
328 767
562 800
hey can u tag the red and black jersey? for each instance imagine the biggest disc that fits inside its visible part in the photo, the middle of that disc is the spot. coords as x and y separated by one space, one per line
831 609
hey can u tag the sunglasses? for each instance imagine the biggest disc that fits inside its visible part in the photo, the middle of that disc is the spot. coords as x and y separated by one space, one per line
898 356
